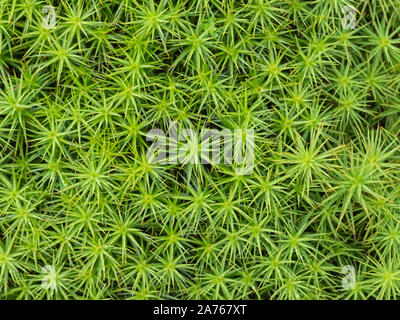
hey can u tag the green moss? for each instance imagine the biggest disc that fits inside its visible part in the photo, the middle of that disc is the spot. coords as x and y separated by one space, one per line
84 213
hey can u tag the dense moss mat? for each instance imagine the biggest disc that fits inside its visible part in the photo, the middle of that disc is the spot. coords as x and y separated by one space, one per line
85 214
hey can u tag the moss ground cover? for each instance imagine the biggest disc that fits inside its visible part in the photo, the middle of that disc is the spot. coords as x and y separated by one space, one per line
86 214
